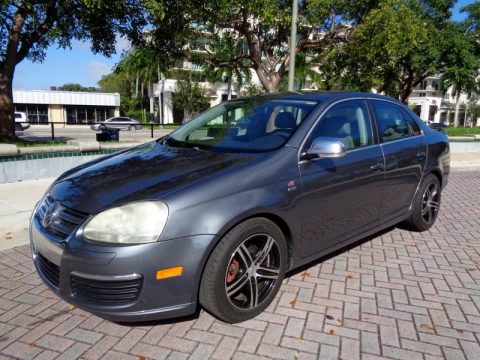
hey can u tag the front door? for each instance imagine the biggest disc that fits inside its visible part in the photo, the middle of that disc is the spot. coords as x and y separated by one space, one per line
341 196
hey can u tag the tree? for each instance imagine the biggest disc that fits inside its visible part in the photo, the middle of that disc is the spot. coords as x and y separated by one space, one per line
398 45
223 53
394 47
29 27
473 108
251 89
461 69
264 28
77 87
190 97
473 18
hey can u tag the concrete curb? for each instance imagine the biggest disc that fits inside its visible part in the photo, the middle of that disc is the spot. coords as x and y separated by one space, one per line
71 146
8 150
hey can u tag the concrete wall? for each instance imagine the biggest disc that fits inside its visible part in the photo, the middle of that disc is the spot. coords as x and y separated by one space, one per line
21 170
56 113
460 147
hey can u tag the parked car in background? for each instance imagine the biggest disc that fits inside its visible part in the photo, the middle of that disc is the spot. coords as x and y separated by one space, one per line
438 126
21 121
215 213
119 122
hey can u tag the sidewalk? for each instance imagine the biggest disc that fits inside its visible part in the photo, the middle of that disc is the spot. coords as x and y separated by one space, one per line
468 160
17 201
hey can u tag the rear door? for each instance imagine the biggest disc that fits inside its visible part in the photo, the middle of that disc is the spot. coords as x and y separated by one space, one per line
118 123
341 196
405 151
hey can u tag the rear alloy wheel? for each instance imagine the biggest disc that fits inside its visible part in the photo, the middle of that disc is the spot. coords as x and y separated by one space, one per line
245 271
132 128
425 205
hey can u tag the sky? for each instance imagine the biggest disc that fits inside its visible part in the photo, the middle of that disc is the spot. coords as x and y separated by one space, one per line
80 65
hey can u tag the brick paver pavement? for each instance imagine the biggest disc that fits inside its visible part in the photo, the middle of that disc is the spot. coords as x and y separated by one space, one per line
401 295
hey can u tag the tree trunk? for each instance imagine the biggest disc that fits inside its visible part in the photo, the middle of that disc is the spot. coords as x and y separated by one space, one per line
151 96
229 86
457 109
7 132
465 116
136 87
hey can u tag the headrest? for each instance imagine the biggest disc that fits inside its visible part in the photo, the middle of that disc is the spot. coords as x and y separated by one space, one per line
285 120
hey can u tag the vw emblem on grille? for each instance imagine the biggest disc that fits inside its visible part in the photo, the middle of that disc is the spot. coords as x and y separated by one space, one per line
50 214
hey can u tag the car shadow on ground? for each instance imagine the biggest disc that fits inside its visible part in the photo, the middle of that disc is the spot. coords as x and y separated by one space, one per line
339 251
296 271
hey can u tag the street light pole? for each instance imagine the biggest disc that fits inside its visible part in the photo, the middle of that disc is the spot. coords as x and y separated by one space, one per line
293 43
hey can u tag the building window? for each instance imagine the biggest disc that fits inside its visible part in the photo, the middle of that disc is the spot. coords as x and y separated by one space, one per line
36 114
88 114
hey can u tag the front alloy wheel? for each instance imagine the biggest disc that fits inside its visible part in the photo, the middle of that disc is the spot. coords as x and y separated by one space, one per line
245 271
252 272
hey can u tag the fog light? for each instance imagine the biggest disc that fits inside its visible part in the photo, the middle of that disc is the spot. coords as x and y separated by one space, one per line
170 272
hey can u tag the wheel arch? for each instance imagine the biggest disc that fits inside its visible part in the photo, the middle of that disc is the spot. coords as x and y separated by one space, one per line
438 174
276 219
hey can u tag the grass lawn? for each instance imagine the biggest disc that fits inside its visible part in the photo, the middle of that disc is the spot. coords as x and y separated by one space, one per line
25 143
459 131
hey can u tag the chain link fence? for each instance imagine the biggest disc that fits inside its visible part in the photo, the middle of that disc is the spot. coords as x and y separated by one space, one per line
59 131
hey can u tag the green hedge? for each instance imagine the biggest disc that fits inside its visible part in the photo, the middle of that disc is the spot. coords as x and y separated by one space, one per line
459 131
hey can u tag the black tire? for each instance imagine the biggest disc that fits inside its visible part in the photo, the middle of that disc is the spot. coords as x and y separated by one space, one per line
425 205
227 265
102 128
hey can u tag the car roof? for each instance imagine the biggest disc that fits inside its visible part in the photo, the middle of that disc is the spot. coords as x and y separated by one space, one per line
321 96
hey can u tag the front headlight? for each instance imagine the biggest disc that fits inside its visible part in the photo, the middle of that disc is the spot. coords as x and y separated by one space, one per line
135 223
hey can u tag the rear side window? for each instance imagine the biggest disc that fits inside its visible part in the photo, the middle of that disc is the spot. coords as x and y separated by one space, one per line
391 121
413 126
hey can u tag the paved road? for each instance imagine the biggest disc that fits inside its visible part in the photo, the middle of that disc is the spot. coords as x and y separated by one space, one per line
401 295
84 133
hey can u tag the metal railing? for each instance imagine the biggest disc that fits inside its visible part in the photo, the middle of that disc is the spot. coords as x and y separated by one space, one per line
59 131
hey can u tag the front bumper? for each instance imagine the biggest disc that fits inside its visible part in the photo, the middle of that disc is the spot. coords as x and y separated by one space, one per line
119 282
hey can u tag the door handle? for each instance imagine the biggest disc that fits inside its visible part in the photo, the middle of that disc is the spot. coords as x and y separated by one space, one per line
421 154
376 167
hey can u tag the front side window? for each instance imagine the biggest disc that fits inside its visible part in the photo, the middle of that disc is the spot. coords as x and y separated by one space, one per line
245 125
348 122
392 124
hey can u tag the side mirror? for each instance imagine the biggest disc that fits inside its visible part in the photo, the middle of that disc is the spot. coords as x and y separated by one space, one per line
326 147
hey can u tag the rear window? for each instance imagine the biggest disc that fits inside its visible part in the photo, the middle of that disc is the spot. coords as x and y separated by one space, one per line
18 116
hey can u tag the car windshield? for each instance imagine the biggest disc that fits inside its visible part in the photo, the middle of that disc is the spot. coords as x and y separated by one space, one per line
245 125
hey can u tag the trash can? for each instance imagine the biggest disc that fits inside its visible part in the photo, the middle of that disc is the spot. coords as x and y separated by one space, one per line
109 135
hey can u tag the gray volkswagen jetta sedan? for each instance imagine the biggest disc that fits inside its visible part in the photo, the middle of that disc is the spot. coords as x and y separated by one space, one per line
217 212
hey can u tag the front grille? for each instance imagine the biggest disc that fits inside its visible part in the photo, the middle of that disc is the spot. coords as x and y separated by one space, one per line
48 269
64 220
106 292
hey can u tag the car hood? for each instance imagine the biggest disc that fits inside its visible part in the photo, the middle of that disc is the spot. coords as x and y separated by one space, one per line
145 172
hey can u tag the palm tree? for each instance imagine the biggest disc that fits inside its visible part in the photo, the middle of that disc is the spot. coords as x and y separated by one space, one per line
461 71
143 65
225 59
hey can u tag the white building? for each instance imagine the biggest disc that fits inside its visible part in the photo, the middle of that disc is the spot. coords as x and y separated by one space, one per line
433 104
67 107
216 92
